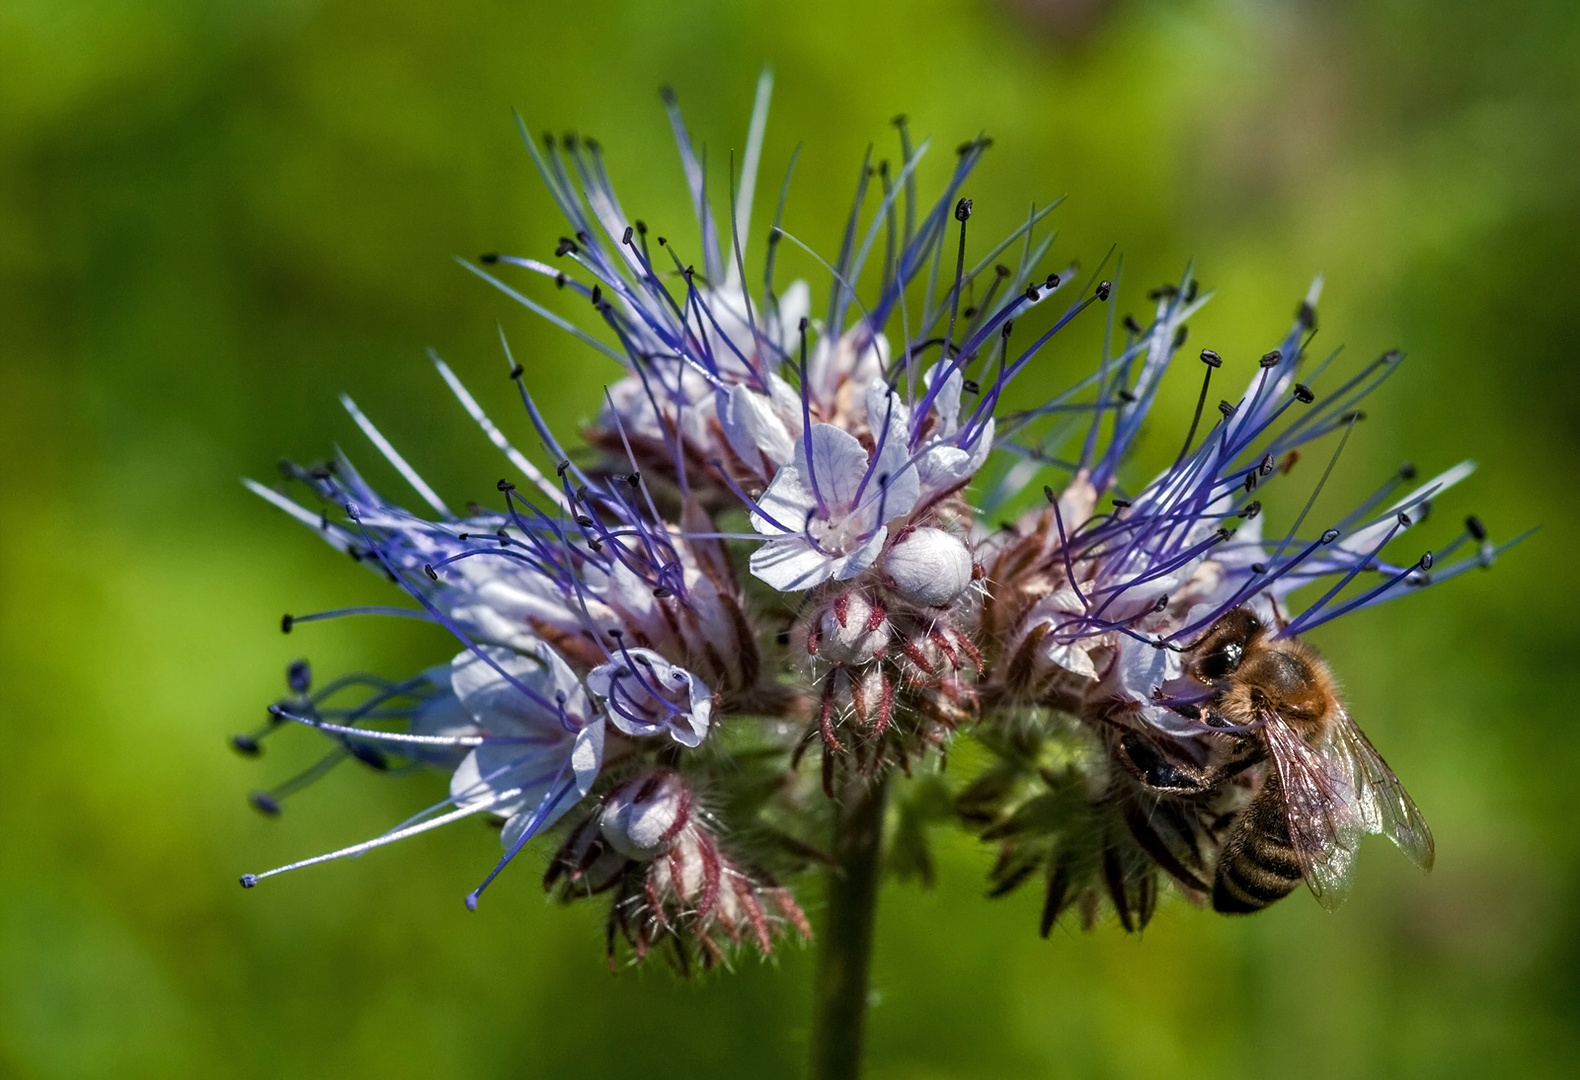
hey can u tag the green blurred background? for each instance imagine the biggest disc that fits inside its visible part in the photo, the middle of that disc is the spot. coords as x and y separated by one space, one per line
215 216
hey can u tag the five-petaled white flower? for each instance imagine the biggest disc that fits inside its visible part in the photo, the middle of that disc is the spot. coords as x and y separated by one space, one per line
828 509
547 745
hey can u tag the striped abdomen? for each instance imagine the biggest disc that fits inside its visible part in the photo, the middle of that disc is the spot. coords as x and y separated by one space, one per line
1258 864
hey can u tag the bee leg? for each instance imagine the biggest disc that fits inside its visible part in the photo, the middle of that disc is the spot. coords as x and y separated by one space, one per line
1148 764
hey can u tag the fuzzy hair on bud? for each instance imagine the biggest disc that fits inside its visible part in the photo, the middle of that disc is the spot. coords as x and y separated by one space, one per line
929 567
852 630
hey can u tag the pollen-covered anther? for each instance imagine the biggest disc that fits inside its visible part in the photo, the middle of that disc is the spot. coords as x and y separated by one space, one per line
928 567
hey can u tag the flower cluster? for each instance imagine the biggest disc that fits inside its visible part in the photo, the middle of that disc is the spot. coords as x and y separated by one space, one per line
784 534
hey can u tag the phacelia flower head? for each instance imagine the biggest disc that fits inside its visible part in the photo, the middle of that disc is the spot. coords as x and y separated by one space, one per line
791 530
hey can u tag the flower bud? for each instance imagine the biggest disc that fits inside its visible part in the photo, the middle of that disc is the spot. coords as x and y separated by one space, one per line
851 630
929 567
643 817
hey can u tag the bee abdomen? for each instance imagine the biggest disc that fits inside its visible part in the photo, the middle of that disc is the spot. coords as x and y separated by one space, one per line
1258 864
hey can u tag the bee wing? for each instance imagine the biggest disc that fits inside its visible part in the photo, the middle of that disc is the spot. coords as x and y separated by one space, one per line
1383 803
1324 827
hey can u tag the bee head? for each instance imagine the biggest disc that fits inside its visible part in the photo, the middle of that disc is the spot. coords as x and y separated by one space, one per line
1221 649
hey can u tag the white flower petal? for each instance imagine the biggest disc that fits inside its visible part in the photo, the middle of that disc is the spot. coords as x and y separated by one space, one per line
787 501
507 777
441 716
790 565
498 705
587 755
897 496
1142 668
946 403
839 463
862 558
752 426
1072 658
535 815
487 625
795 304
886 414
944 467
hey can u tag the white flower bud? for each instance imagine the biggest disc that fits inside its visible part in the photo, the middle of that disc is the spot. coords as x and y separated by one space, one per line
845 631
643 817
929 567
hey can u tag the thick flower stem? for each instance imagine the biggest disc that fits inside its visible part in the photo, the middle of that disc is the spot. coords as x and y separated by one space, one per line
839 1006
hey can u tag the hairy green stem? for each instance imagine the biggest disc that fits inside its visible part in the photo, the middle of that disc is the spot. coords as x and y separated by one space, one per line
839 1006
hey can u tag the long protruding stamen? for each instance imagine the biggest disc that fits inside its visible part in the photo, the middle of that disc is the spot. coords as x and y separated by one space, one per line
268 802
737 274
844 290
880 439
1213 362
1305 617
806 425
495 436
1261 578
1089 447
447 622
770 298
1421 567
1334 460
962 215
290 622
1064 546
751 504
249 880
558 789
402 737
741 210
696 179
901 124
388 450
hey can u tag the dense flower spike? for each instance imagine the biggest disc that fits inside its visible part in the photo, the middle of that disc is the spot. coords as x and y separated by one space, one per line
771 547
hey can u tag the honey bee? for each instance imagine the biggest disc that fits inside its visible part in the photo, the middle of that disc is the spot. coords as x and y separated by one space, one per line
1274 699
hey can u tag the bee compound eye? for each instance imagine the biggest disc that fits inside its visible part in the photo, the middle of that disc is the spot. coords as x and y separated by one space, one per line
1222 661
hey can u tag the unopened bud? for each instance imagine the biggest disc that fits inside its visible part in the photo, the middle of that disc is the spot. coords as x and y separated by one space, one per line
929 567
642 817
851 630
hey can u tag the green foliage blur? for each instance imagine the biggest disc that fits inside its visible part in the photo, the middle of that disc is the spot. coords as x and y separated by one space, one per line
216 216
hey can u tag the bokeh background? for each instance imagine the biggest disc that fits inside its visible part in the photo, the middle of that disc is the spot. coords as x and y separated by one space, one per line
215 216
